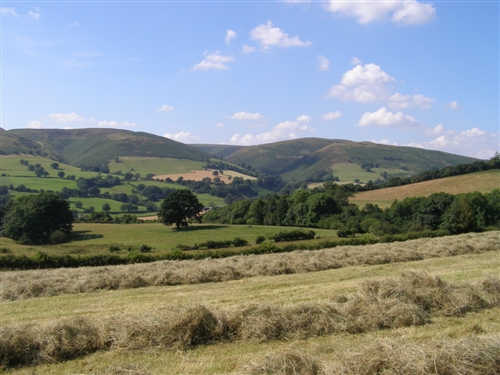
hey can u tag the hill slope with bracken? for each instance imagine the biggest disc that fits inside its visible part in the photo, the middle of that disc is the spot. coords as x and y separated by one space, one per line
313 158
94 146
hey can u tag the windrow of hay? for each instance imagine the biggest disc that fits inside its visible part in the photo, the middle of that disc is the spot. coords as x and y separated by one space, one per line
470 356
406 301
42 283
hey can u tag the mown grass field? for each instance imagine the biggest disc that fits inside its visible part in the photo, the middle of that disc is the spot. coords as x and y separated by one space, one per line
145 165
348 172
279 320
484 182
94 238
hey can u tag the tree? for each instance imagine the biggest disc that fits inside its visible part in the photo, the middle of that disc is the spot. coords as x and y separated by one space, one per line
178 207
106 207
38 219
61 174
78 204
54 165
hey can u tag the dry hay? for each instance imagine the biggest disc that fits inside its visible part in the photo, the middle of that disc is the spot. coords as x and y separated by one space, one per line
469 356
43 283
409 300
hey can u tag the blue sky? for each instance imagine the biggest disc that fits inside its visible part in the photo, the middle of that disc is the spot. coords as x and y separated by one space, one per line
404 72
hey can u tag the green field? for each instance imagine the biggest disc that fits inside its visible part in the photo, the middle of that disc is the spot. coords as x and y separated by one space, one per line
144 165
96 238
483 182
276 312
348 172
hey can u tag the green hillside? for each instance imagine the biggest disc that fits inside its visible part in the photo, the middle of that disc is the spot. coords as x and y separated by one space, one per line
312 158
94 146
11 143
220 151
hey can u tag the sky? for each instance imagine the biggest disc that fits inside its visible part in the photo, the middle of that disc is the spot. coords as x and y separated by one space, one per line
400 72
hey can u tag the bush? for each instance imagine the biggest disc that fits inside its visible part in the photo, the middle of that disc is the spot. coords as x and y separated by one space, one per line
59 237
293 235
237 241
114 248
260 239
145 249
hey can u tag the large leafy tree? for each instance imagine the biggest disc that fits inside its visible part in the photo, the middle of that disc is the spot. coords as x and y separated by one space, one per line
178 207
38 219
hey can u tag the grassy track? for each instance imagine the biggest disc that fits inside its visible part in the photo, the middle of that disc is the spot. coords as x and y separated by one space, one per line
484 182
285 292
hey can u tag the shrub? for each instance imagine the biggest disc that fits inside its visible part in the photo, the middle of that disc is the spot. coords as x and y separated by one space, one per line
293 235
260 239
114 248
145 248
237 241
5 250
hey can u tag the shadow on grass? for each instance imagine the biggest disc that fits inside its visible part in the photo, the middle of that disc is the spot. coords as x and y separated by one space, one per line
199 227
82 235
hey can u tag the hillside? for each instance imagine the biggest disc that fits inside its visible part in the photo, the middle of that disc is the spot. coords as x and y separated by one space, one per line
306 158
11 143
484 182
94 146
220 151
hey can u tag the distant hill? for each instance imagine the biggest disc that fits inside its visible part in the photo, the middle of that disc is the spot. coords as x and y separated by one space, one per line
484 182
220 151
11 143
94 146
310 158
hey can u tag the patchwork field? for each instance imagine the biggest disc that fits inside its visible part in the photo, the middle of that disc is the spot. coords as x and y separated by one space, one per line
145 165
437 315
484 182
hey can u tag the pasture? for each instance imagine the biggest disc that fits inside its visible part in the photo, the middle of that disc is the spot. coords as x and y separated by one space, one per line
358 319
157 166
348 172
483 182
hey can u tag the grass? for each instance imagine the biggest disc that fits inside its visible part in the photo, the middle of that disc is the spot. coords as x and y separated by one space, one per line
143 322
484 182
348 172
144 165
95 238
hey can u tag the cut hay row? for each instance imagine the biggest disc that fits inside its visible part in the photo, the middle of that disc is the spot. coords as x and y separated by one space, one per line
470 356
409 300
43 283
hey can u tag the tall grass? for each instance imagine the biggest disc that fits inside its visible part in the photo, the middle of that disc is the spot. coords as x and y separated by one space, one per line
409 300
39 283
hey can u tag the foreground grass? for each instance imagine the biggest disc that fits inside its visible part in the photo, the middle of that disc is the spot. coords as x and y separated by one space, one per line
483 182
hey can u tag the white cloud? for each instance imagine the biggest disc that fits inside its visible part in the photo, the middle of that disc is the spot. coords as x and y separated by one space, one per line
34 125
74 24
214 61
115 124
401 12
305 119
472 133
274 36
297 1
182 137
323 62
10 11
246 116
384 118
453 105
237 139
330 116
367 83
35 13
400 101
355 61
66 117
219 125
438 130
165 108
230 34
283 131
247 49
384 141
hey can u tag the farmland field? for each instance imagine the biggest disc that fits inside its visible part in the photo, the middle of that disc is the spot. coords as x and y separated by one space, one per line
348 172
279 321
145 165
484 182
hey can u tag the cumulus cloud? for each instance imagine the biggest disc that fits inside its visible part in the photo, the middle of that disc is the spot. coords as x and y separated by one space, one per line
367 83
219 125
34 125
438 130
268 35
214 61
115 124
384 141
453 105
401 12
304 119
247 49
355 61
10 11
165 108
35 13
246 116
384 118
330 116
323 62
400 101
230 35
182 137
66 117
283 131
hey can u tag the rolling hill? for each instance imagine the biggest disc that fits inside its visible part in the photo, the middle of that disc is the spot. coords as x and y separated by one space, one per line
13 143
94 146
306 158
